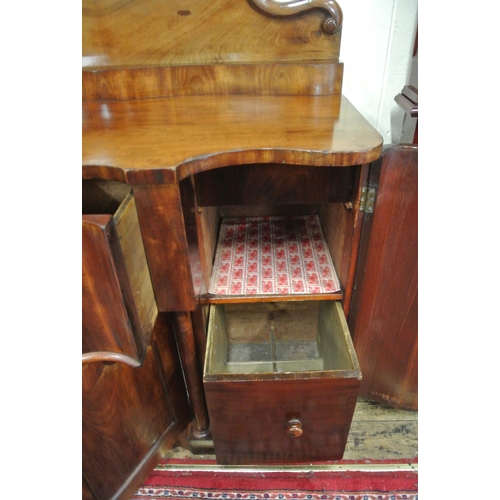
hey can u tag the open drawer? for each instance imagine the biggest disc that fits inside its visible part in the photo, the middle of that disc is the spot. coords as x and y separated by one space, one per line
281 381
119 307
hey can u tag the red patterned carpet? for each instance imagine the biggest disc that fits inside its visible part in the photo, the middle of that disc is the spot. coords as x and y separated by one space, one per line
397 482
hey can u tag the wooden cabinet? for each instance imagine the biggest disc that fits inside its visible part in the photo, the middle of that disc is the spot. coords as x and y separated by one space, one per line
281 375
184 130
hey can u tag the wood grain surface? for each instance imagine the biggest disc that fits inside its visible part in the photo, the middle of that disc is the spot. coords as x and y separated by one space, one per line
217 79
139 289
384 315
158 33
124 413
119 307
131 416
105 325
378 432
249 419
274 184
164 140
342 226
163 231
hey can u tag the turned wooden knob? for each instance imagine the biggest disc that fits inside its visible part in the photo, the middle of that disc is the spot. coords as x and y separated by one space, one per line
295 428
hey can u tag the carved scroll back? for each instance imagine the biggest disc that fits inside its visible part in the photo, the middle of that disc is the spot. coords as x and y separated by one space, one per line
330 25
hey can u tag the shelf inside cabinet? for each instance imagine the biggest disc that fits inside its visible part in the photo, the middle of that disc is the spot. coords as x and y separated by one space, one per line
273 258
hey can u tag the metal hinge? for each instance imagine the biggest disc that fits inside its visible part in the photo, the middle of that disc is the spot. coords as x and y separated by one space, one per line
367 200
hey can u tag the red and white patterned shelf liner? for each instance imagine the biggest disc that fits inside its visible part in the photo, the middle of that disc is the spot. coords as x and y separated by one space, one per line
273 255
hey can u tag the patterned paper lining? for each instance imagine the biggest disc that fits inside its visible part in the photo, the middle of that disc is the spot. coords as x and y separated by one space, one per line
272 255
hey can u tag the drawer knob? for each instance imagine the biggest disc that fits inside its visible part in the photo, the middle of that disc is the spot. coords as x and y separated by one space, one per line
295 428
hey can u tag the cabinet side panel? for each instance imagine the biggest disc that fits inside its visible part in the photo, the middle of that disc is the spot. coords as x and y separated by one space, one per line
189 211
342 223
338 225
207 222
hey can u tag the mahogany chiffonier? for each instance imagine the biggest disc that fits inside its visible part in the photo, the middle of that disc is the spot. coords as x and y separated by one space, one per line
225 183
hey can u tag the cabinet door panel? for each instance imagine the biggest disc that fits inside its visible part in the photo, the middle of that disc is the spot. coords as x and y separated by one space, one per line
118 304
384 314
130 417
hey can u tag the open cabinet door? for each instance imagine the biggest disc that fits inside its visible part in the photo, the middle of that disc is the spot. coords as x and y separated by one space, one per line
131 415
134 402
384 315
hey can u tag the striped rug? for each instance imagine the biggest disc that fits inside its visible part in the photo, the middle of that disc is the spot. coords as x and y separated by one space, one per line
342 480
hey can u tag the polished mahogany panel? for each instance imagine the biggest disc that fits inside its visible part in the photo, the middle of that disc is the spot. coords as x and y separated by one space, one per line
274 184
131 416
250 419
118 304
162 226
384 315
218 79
151 33
164 140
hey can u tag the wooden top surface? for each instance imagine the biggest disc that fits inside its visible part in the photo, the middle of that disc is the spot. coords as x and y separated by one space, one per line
172 88
144 33
166 139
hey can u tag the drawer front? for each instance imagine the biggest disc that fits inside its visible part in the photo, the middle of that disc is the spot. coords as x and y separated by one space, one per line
131 415
119 307
279 421
124 413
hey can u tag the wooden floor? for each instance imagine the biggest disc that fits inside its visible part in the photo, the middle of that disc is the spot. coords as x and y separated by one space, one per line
382 433
378 432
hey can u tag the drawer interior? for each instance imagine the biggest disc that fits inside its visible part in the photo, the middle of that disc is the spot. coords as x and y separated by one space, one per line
102 197
279 337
